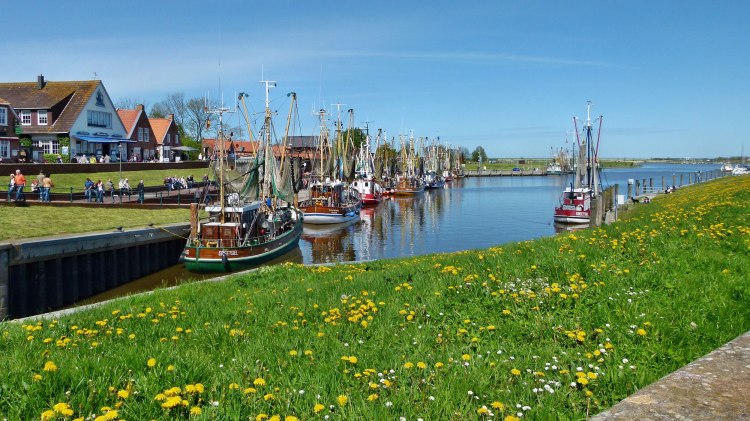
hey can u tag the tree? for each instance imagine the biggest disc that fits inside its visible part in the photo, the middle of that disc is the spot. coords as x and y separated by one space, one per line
129 103
479 155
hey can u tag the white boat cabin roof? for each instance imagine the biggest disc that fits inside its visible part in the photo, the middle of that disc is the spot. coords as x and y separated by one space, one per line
234 209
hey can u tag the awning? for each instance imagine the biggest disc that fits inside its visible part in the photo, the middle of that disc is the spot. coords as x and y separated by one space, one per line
102 139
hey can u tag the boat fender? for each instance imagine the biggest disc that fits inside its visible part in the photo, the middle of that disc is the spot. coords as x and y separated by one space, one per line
225 261
357 212
181 259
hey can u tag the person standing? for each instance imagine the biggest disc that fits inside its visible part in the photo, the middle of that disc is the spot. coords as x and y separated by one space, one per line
99 191
11 185
110 186
141 190
20 183
47 185
40 178
87 188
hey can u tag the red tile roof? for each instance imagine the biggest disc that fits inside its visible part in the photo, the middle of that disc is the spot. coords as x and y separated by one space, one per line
129 118
160 126
248 146
72 96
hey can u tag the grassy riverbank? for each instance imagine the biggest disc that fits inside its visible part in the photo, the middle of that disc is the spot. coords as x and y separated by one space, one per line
557 328
41 221
63 182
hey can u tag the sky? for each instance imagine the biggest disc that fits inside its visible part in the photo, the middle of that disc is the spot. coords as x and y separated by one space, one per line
670 78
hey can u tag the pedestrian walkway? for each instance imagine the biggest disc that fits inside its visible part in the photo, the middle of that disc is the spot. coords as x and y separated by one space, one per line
714 387
154 196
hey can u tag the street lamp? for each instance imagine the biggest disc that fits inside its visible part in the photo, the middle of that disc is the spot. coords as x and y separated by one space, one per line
120 147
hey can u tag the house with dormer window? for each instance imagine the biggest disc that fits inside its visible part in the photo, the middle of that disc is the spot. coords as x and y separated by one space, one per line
138 129
81 111
9 146
167 137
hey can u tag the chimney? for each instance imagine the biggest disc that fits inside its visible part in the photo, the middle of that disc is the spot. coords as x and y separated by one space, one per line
170 117
139 107
40 81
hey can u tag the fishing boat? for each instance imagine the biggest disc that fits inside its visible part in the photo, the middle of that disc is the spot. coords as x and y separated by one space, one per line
330 200
576 199
433 180
553 168
409 182
365 183
255 219
727 167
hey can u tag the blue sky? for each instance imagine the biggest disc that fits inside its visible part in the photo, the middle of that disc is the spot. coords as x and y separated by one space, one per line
671 78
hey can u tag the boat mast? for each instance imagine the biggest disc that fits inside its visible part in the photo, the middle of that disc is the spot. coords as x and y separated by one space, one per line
267 140
220 139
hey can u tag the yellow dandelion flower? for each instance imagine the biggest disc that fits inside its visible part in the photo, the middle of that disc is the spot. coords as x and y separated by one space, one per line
318 407
408 365
48 415
259 382
373 397
151 362
268 397
249 390
342 400
439 364
124 394
466 357
483 411
641 332
515 372
293 353
196 410
36 377
511 418
50 366
421 365
261 417
291 418
497 405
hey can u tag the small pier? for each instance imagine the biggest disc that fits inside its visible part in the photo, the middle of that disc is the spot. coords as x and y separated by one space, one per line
41 275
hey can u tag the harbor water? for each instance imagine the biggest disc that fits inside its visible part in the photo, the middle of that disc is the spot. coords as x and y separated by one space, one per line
469 213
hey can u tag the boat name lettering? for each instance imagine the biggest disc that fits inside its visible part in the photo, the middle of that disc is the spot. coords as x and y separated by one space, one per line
228 253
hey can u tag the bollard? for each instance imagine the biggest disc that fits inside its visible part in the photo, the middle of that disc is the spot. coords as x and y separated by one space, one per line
663 187
674 179
637 187
161 197
680 180
71 194
651 184
178 197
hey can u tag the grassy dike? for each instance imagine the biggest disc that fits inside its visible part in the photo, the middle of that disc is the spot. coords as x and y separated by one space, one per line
556 328
41 221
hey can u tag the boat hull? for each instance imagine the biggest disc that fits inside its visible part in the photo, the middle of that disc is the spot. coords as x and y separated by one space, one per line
369 199
202 259
324 215
572 216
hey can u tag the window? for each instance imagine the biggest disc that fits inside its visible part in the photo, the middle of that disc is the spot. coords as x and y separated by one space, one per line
41 117
169 139
176 139
4 148
140 134
3 116
25 118
46 146
146 134
99 119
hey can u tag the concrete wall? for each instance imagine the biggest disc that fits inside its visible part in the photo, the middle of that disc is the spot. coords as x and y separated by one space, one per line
37 276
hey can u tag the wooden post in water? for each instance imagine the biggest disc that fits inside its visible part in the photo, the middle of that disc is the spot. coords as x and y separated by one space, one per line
651 184
637 187
630 191
674 179
663 187
681 180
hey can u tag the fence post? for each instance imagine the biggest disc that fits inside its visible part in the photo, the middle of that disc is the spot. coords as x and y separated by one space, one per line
681 180
161 197
178 197
663 187
71 194
651 184
674 179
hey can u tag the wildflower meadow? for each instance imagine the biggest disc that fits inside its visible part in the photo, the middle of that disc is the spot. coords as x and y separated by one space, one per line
557 328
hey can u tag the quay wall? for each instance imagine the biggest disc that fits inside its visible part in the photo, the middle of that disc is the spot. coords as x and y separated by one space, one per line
38 276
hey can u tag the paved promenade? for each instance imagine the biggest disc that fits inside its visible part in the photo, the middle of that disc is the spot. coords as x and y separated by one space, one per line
714 387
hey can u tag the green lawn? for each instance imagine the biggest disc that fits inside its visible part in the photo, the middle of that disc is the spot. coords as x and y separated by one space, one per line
557 328
39 221
63 182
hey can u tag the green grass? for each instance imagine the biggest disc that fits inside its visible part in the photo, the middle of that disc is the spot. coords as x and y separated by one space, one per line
63 182
39 221
435 337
